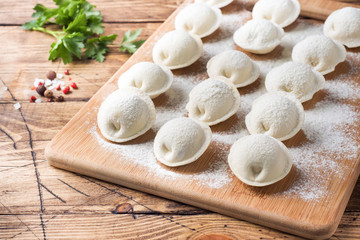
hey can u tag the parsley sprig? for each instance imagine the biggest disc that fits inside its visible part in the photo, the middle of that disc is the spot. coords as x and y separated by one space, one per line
81 31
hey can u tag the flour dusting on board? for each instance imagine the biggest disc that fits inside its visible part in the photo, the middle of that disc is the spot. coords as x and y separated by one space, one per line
326 128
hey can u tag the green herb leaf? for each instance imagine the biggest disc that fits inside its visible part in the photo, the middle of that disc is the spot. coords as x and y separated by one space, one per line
42 15
30 25
78 25
96 48
67 13
94 22
128 43
62 3
81 26
66 47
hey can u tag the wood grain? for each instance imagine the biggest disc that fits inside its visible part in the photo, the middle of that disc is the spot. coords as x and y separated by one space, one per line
113 11
28 211
312 219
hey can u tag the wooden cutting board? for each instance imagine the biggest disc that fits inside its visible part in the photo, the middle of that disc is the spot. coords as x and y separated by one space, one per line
79 147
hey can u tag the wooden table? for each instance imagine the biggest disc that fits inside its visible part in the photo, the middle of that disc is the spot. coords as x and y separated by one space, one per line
40 202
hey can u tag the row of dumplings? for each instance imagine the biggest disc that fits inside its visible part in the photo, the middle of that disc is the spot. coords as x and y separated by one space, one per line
183 46
129 112
259 159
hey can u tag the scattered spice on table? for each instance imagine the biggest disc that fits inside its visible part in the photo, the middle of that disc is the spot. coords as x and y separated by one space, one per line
53 81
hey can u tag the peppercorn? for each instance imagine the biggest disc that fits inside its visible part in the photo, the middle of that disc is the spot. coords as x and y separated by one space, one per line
73 85
51 75
41 89
48 94
66 90
32 99
59 99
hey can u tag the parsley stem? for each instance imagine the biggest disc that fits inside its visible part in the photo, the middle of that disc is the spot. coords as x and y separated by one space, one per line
56 34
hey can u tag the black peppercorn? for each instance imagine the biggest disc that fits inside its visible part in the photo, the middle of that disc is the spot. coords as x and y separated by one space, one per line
51 75
40 90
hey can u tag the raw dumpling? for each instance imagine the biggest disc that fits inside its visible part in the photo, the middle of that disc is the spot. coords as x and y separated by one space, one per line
215 3
281 12
181 141
213 101
259 160
343 25
295 78
258 36
279 115
126 114
234 66
319 52
177 49
151 78
198 19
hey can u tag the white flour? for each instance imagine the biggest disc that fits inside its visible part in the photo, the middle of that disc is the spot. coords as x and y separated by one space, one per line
327 124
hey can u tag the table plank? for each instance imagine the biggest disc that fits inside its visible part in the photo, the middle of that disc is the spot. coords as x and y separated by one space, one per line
21 215
26 59
18 12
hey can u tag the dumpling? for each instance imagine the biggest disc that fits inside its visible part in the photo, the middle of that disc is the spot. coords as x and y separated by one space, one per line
279 115
215 3
259 160
151 78
343 25
295 78
181 141
177 49
281 12
213 101
234 66
198 19
126 114
319 52
258 36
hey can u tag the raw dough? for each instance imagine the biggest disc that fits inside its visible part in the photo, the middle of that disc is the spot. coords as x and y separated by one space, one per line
259 160
279 115
151 78
216 3
177 49
126 114
198 19
234 66
213 101
258 36
319 52
295 78
181 141
343 25
281 12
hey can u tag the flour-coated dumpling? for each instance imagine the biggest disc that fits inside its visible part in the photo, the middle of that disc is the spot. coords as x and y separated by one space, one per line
234 66
151 78
319 52
126 114
177 49
213 101
281 12
295 78
343 25
259 160
258 36
181 141
278 114
198 19
215 3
